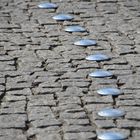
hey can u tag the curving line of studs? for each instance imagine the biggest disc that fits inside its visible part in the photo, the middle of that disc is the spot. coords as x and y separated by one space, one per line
106 112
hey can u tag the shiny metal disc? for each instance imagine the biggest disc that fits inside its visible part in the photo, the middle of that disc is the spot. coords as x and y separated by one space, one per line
111 136
85 42
110 112
97 57
63 17
109 91
75 28
47 5
101 74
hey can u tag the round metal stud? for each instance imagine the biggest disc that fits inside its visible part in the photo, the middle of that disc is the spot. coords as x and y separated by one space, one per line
111 136
75 28
47 5
85 42
110 112
109 91
97 57
101 74
63 17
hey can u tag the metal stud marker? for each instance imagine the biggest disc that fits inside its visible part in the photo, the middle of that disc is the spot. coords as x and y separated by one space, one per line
101 74
109 91
111 136
110 112
75 28
97 57
85 42
63 17
47 5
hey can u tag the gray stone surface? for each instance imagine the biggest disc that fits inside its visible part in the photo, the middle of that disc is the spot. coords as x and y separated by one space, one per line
45 90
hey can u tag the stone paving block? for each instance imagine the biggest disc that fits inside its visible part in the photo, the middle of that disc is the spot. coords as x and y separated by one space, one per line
28 27
13 98
24 92
65 107
73 115
37 113
8 26
13 121
95 107
34 34
133 102
107 8
97 100
11 133
72 91
45 54
117 67
44 79
40 90
60 60
129 82
50 84
19 137
131 58
48 136
2 88
5 66
73 75
133 115
76 121
77 128
18 39
131 96
128 109
22 54
103 81
43 20
122 72
80 135
74 110
60 67
40 100
69 100
45 123
136 39
18 16
75 82
44 74
5 58
13 107
36 46
116 60
1 94
136 133
34 131
83 65
73 55
128 124
17 86
106 1
135 138
106 124
94 87
124 50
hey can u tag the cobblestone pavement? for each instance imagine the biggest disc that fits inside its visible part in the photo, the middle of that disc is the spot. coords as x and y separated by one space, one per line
45 90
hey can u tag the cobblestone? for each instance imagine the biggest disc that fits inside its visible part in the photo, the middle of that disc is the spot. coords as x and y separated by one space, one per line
45 90
49 136
81 136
